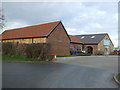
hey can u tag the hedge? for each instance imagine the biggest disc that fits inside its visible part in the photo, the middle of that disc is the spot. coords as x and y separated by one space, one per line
36 51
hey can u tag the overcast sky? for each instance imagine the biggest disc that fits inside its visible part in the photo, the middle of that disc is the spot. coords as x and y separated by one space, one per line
77 17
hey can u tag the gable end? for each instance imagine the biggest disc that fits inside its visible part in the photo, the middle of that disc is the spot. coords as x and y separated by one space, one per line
56 27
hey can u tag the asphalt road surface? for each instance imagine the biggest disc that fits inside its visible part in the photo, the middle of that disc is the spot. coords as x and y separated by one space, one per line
56 75
102 62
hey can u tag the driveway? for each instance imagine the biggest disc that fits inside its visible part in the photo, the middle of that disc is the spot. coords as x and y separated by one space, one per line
55 75
101 62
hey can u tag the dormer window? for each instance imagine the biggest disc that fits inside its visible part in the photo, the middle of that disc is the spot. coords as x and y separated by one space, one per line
82 37
93 37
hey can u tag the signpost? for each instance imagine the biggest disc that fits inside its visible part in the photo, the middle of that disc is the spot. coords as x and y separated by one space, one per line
107 42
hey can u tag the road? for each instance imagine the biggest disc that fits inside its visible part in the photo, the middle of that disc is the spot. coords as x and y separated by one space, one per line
56 75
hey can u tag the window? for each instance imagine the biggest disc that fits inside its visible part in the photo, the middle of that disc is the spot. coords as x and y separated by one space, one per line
79 48
82 37
93 37
71 47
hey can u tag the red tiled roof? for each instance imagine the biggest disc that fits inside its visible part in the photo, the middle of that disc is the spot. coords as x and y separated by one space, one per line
30 31
75 39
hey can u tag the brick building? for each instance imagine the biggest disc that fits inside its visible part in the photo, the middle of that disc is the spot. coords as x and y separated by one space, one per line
97 44
60 42
53 33
75 44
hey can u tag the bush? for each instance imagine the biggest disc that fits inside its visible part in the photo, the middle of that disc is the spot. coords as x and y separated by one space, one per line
20 50
36 51
0 47
9 48
49 57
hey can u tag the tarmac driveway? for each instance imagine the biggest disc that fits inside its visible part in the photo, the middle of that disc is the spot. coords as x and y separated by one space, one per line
102 62
55 75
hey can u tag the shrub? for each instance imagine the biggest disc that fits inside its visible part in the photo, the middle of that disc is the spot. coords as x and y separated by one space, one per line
0 47
20 50
36 51
49 57
9 48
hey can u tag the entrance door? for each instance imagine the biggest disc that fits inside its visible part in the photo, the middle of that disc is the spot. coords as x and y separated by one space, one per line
89 50
106 50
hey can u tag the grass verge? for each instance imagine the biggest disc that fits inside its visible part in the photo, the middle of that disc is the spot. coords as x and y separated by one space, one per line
73 55
118 77
7 58
65 55
14 58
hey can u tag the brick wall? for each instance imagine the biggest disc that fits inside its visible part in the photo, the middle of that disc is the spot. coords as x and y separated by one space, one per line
101 45
27 40
39 40
95 48
59 42
76 46
19 40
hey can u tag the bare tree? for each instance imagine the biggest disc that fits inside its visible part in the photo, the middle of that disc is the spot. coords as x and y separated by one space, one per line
2 25
2 19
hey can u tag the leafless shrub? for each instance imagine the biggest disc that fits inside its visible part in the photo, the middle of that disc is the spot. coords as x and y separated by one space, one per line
0 47
20 50
36 51
2 19
9 48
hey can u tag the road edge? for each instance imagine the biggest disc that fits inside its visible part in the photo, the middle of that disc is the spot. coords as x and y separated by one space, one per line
116 80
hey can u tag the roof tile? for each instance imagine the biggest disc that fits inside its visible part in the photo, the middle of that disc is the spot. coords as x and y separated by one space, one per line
30 31
75 39
89 40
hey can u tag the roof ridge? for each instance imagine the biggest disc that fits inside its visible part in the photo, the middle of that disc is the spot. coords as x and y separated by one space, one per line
97 39
92 34
47 23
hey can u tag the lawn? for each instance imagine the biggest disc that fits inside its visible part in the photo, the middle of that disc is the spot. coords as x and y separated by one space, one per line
65 55
18 58
80 54
14 58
